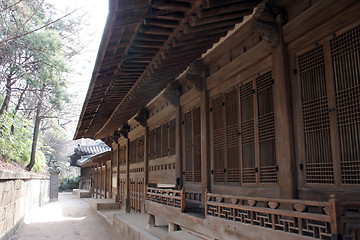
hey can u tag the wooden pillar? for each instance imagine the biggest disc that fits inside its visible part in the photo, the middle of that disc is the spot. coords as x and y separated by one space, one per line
178 148
127 196
99 181
111 171
93 187
205 141
197 73
103 185
283 121
117 199
146 165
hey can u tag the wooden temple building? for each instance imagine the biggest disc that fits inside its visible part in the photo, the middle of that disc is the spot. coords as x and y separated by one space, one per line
235 119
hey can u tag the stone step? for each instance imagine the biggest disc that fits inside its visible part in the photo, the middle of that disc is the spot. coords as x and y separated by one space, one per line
82 193
181 235
104 204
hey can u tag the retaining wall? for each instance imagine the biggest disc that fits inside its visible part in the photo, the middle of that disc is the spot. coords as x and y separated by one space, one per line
20 194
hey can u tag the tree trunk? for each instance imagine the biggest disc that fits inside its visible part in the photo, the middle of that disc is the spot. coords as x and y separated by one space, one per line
6 102
36 130
21 99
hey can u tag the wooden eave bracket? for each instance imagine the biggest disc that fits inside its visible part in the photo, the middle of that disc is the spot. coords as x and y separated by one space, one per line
197 73
124 130
264 20
107 140
115 137
172 93
142 116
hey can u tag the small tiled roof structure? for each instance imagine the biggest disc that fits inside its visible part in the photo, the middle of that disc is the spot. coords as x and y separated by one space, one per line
83 154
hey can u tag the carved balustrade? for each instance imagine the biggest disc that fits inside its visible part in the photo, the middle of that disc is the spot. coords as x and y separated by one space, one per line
317 219
169 197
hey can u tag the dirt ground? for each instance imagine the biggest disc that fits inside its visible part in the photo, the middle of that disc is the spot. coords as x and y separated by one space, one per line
69 218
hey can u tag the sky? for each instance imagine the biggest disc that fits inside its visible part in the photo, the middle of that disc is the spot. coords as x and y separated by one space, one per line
96 11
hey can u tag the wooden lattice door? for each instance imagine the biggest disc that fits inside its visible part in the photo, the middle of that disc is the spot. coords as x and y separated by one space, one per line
329 75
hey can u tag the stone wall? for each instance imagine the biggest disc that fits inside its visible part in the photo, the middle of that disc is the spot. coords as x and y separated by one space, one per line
20 193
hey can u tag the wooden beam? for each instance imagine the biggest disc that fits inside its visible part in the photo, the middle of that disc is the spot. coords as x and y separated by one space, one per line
184 37
159 14
212 38
150 44
156 30
216 3
171 6
196 21
202 13
151 37
161 23
187 29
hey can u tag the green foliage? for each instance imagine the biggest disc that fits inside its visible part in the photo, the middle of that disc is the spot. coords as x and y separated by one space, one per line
73 183
16 140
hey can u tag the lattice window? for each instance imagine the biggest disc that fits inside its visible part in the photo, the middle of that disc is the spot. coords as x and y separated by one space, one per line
266 123
122 155
247 133
318 167
165 140
330 95
140 149
132 151
158 142
218 131
345 54
172 136
192 146
188 147
197 144
232 136
151 144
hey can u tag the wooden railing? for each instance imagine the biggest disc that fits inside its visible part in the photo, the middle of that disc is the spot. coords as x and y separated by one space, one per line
351 220
315 219
169 197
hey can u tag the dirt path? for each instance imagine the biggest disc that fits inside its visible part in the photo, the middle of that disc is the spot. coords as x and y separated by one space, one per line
69 218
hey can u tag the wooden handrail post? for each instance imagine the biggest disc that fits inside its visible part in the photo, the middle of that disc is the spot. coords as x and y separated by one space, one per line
335 214
182 195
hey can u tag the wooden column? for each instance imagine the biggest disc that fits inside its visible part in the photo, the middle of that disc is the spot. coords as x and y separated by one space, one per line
283 121
127 196
94 183
197 74
146 164
205 141
178 149
100 178
141 117
117 199
111 171
105 178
